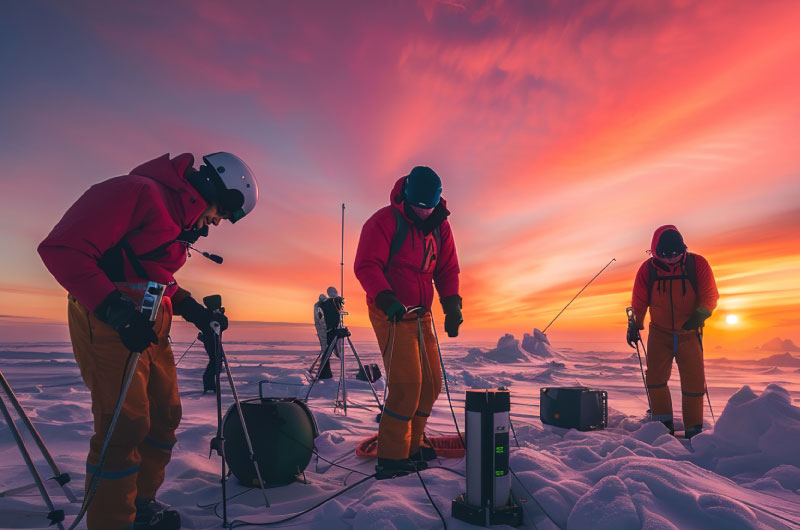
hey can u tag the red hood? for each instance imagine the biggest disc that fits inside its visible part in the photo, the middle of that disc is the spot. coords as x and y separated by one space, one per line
397 199
170 173
657 235
654 243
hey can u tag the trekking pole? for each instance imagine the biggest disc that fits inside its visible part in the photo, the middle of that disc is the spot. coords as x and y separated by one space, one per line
632 320
705 381
61 478
446 386
579 293
133 360
55 516
387 365
151 302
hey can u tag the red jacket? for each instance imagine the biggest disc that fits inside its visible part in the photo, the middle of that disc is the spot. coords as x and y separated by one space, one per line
415 267
148 208
669 305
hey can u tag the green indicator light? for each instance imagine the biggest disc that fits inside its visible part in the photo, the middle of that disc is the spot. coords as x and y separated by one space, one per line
499 473
499 450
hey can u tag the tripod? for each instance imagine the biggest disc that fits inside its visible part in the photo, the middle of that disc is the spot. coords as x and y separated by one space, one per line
55 516
339 344
214 303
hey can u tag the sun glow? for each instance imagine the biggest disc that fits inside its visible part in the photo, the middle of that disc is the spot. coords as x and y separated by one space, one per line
732 320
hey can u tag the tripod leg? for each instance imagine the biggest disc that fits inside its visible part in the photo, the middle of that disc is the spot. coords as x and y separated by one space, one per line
317 359
342 375
361 367
55 516
238 404
218 443
325 358
61 478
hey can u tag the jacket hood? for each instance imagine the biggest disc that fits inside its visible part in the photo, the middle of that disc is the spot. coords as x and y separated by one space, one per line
666 265
657 235
170 173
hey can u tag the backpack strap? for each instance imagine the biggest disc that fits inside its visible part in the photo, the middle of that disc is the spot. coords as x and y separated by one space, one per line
691 274
691 271
400 234
112 260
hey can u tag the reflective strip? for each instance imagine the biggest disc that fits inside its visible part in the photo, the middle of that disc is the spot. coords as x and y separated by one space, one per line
160 445
661 417
675 345
395 415
422 414
694 394
113 474
662 385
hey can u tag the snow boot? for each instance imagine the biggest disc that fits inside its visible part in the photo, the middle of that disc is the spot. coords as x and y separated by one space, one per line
693 431
152 515
670 425
390 468
424 454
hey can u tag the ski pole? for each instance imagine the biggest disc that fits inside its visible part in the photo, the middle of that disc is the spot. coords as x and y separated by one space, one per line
705 381
133 360
632 321
579 293
153 295
387 365
446 386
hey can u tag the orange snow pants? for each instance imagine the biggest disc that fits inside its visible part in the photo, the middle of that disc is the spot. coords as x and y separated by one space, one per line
141 445
411 363
684 346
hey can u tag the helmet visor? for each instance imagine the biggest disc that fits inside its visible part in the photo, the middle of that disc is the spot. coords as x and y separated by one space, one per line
230 202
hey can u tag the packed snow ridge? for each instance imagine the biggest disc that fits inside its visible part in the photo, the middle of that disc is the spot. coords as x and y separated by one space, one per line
534 348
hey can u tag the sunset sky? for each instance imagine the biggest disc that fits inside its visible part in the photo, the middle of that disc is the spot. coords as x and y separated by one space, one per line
564 133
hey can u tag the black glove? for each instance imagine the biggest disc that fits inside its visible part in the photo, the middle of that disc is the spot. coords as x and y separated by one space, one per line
698 318
387 302
201 316
633 334
121 313
452 314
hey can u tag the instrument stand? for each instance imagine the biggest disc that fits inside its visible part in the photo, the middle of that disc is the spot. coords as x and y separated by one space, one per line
55 516
214 303
340 345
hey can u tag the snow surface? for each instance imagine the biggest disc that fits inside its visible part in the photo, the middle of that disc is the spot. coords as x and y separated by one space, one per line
742 473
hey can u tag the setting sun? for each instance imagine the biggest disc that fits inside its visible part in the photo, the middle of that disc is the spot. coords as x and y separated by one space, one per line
732 320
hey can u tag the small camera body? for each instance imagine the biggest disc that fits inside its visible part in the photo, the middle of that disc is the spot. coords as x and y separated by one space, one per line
153 294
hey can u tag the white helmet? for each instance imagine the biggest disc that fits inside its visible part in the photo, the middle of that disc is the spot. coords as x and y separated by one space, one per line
241 191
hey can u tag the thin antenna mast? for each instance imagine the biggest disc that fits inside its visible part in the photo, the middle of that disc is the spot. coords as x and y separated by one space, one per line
579 293
341 263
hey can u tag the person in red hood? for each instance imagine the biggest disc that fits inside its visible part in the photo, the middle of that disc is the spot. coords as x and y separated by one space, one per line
680 290
404 250
116 237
